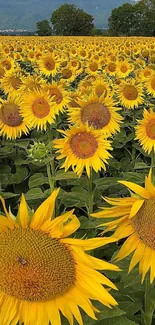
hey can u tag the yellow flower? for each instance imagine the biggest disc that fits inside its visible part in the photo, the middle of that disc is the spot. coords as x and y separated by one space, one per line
37 109
101 87
48 64
134 218
111 68
31 82
82 147
130 93
11 82
150 85
11 121
98 112
44 273
58 95
145 131
123 69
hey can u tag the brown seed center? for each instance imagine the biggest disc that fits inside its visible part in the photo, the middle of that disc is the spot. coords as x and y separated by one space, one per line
144 223
83 145
40 108
49 64
9 115
96 114
15 82
34 266
130 92
150 129
153 83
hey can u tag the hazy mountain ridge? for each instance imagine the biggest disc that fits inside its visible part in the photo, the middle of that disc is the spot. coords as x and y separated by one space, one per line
25 14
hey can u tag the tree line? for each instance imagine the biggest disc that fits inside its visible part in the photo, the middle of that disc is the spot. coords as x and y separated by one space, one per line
127 20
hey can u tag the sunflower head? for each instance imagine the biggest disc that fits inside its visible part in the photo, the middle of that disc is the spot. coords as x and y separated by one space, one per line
83 147
134 219
43 272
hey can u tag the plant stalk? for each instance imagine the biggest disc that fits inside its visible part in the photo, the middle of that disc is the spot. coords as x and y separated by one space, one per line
149 305
50 179
90 194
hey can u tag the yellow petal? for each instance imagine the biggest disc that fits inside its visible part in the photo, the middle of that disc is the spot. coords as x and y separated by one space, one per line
88 244
135 208
23 212
137 189
45 211
64 225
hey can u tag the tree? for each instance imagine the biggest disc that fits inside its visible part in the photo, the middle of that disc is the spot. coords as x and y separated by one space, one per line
133 19
120 21
70 20
43 28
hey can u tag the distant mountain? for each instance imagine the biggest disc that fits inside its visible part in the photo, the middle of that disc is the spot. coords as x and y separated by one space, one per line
25 13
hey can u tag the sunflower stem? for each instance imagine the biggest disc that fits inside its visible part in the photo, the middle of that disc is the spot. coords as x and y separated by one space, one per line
152 161
149 305
134 149
90 194
50 179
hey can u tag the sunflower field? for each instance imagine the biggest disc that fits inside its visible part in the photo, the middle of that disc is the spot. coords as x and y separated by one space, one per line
77 181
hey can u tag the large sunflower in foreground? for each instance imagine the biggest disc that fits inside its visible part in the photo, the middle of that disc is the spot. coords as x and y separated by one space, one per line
82 147
12 124
44 273
99 112
135 219
37 108
145 131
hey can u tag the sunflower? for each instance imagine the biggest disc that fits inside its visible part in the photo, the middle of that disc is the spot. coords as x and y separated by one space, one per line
83 147
150 85
101 87
130 93
8 64
48 64
11 82
31 82
98 112
145 131
111 68
93 67
58 95
37 108
123 69
11 121
44 273
134 219
68 74
2 72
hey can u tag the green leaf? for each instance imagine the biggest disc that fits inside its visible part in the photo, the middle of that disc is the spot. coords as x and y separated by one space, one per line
105 182
117 321
141 165
137 178
86 223
105 314
72 199
37 179
130 307
19 176
62 175
5 169
8 195
34 194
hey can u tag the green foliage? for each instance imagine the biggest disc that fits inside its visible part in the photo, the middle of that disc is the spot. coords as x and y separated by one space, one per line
69 20
44 28
133 19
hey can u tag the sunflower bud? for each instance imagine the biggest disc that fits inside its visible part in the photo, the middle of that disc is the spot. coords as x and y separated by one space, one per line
38 151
